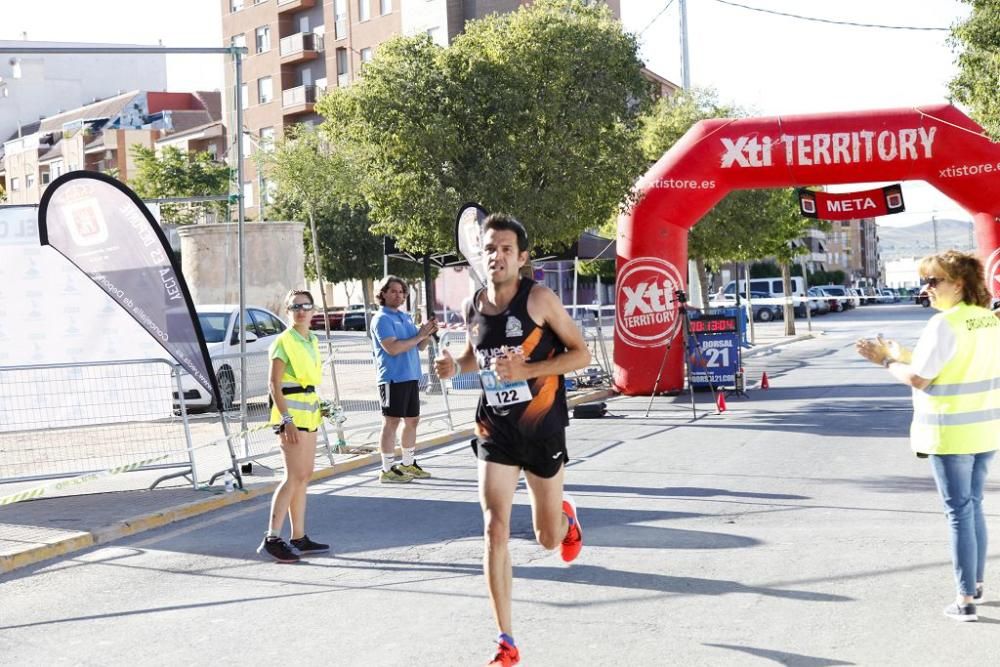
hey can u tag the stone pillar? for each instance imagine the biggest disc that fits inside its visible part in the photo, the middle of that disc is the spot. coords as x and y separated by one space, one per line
275 260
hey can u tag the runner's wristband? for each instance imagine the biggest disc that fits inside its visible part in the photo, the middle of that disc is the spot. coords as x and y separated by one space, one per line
286 419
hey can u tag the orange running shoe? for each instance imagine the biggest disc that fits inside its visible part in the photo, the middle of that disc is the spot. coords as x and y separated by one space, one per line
573 541
506 656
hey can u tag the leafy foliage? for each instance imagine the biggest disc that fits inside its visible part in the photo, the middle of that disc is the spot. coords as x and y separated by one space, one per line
176 173
978 40
535 112
315 181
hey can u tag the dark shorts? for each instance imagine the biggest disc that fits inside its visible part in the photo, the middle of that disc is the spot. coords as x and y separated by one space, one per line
399 399
541 456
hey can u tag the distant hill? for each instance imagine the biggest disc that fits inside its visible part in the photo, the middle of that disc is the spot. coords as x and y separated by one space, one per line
918 240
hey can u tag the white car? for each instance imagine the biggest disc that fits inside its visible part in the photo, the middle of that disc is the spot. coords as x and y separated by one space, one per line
218 324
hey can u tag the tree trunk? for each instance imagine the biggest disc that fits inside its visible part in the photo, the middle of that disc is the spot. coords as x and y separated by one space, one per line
786 282
703 281
366 298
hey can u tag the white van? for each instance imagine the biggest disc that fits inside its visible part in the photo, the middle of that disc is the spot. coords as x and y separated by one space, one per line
775 287
772 286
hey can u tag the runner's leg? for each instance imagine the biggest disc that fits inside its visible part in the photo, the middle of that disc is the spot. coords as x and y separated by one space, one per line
497 483
547 514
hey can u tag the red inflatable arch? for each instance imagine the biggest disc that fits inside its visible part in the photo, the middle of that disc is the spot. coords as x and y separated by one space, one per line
937 144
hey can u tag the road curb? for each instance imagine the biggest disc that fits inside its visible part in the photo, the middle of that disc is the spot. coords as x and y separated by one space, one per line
758 349
159 518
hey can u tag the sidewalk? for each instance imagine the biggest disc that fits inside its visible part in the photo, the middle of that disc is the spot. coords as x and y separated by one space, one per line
39 530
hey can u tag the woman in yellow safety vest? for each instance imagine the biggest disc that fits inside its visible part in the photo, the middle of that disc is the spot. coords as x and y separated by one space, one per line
955 374
296 371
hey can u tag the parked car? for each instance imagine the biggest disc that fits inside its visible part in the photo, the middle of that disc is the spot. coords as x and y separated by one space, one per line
335 316
354 320
886 295
840 293
762 312
219 325
820 302
772 287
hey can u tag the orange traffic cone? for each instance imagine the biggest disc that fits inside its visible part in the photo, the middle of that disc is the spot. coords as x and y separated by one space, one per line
764 384
720 402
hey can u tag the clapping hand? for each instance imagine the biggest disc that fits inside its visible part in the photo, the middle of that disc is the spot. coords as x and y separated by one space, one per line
428 328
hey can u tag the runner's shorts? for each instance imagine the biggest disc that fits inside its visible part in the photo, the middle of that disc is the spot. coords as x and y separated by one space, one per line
399 399
541 456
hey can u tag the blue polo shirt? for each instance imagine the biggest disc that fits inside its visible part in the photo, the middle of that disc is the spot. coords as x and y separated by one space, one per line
389 323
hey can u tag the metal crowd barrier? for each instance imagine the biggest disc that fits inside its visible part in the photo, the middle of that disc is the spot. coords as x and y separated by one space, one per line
63 420
70 420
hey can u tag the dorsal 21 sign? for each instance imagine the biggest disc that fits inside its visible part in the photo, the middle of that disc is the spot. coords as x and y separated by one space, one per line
851 205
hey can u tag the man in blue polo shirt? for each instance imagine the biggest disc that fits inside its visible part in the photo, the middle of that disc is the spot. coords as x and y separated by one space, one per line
397 342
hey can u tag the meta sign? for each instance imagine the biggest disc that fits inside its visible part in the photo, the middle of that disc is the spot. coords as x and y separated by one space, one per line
851 205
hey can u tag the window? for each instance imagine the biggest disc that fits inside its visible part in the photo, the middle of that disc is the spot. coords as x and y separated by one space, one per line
263 37
267 138
251 329
266 324
15 184
366 55
244 94
29 181
56 169
235 5
239 40
364 10
342 77
248 194
265 90
339 19
433 34
385 7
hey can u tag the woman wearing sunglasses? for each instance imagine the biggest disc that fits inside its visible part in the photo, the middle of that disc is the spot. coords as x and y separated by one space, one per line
296 371
955 374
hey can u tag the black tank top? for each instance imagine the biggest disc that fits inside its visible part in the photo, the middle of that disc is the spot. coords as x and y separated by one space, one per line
546 412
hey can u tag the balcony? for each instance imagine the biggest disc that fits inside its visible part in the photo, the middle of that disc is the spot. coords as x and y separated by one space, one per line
298 100
300 47
294 5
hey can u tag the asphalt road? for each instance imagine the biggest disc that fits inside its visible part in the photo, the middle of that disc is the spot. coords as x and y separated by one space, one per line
793 529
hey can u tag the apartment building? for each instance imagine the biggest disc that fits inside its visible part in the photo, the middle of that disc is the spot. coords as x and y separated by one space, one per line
299 48
37 85
853 249
100 136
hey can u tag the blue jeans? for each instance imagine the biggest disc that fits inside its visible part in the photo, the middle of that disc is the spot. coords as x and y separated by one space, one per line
960 479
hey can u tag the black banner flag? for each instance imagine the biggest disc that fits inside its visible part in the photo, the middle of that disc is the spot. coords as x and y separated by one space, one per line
104 229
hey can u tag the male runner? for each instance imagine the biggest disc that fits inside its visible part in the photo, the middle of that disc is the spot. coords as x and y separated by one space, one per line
521 341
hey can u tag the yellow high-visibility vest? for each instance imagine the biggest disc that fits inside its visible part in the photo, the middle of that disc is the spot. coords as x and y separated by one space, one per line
959 411
303 407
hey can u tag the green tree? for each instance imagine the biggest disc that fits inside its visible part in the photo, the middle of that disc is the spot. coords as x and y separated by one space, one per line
316 183
535 112
176 173
978 41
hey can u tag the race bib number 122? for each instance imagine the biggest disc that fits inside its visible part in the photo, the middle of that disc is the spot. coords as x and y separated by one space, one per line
503 394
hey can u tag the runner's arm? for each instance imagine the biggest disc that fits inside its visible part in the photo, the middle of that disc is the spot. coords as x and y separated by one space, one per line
546 308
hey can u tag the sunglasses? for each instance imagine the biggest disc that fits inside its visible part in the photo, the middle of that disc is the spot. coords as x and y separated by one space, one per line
934 282
300 306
